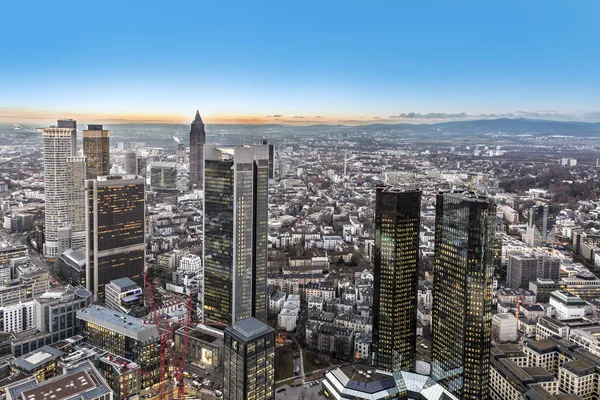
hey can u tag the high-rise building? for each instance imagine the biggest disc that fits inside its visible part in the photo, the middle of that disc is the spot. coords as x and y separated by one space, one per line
271 158
197 142
96 147
541 226
123 295
163 177
115 216
462 293
249 361
62 180
521 270
130 163
397 225
235 233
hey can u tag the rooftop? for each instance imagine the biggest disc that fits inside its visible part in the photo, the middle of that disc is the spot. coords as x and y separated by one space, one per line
250 328
30 361
124 284
118 322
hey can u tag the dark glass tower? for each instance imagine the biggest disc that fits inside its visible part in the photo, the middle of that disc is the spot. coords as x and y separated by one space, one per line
397 224
541 226
197 142
96 147
249 361
235 233
462 293
115 215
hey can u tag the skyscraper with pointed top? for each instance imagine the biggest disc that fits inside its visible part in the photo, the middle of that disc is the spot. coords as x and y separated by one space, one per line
197 142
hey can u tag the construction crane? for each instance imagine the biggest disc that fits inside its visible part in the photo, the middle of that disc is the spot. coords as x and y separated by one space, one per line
186 336
163 335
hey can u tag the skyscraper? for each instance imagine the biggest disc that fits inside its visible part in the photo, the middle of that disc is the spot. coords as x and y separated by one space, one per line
397 225
249 361
235 233
62 180
541 227
462 293
115 216
130 163
96 147
197 142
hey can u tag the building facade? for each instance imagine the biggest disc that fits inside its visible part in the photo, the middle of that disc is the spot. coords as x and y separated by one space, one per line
249 361
96 147
397 225
115 216
60 148
462 293
235 233
541 227
197 142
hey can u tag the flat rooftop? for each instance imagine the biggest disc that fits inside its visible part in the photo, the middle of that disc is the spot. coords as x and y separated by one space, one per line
250 328
118 322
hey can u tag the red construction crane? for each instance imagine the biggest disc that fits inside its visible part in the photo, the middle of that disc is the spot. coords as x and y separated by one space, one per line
186 336
163 335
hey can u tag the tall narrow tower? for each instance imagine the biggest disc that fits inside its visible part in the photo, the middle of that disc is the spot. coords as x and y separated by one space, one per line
462 293
397 225
235 233
62 180
197 142
96 147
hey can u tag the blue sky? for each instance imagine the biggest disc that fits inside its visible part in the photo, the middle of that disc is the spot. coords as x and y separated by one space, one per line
343 61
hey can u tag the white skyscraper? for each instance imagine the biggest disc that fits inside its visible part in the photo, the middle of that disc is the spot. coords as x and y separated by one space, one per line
64 180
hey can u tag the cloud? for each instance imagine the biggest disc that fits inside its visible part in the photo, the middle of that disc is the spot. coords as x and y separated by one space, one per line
274 116
319 116
413 115
376 117
298 116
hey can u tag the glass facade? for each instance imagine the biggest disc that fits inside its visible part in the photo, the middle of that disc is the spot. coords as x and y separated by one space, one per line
116 224
397 225
235 232
462 293
96 147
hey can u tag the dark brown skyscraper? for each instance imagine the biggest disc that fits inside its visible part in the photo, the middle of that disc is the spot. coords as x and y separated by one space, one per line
96 147
397 224
197 141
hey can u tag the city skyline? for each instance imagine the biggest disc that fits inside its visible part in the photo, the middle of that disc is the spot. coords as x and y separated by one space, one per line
261 64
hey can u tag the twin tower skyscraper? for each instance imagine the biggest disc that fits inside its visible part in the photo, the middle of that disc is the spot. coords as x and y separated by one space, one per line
462 287
235 181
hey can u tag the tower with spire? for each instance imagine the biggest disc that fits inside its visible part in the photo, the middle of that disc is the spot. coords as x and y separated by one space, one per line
197 142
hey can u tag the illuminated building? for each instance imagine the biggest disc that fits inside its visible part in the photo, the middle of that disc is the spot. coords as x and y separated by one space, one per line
197 142
249 361
124 336
115 215
462 293
397 224
163 177
96 147
123 295
235 233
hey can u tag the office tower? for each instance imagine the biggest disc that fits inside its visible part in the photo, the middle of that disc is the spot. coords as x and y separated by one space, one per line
56 310
163 177
235 233
70 266
462 293
521 270
96 147
124 336
62 172
541 226
130 163
180 153
249 360
197 142
397 225
115 215
271 158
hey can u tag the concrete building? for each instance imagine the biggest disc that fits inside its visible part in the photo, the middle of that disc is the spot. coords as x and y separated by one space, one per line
123 295
17 317
504 328
70 266
567 305
56 310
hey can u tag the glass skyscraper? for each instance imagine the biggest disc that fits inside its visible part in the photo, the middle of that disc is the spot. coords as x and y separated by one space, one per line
96 147
397 224
235 233
115 215
462 293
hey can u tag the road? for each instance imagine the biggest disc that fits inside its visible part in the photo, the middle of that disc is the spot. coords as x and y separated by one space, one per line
301 359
